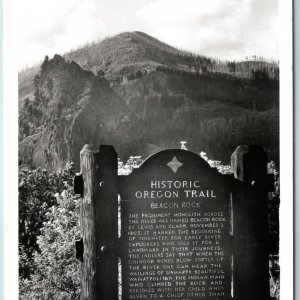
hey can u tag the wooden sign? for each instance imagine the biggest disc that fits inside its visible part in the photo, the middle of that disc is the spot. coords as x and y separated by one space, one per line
175 228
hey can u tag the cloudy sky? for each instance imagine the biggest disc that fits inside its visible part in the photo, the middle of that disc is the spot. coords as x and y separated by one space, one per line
226 29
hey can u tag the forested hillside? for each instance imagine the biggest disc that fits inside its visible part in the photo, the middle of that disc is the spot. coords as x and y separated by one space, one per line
140 94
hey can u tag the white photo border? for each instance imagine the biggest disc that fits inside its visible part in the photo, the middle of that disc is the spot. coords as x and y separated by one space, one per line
10 142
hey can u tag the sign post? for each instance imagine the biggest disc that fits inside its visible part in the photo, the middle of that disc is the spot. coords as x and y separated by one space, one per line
249 165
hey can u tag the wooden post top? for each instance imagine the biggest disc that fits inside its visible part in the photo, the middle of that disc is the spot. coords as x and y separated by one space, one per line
249 164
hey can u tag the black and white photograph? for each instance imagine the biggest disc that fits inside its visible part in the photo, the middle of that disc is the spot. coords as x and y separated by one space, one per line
151 149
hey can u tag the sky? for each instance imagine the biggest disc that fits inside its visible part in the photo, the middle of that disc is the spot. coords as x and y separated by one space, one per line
225 29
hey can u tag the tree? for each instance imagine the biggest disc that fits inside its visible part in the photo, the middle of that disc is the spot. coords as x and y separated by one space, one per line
56 272
45 62
260 78
36 195
232 67
197 64
202 64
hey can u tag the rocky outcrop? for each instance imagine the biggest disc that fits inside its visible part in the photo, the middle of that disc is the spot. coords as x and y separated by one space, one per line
71 107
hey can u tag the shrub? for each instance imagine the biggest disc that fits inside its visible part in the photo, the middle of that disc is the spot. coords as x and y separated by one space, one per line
56 270
36 195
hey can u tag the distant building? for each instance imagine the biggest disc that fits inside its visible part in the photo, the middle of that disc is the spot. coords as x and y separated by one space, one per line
183 145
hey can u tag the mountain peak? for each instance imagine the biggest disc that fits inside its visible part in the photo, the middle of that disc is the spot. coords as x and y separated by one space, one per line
125 52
